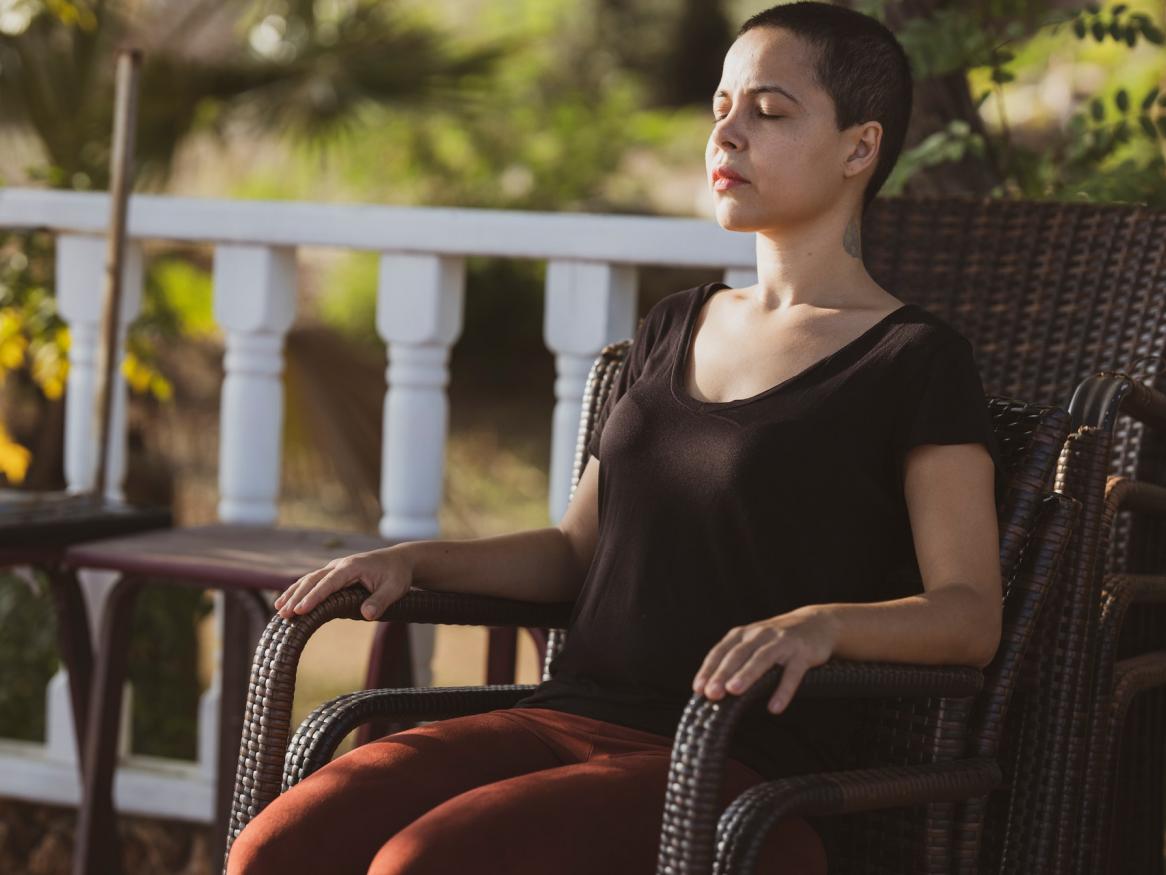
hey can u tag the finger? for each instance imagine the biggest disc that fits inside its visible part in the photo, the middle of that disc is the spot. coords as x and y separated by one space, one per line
383 595
791 677
713 658
290 591
762 659
297 590
325 586
734 659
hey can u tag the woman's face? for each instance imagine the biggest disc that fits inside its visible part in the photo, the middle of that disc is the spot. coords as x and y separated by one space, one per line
797 163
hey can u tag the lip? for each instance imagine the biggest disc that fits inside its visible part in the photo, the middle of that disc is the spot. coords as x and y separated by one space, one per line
724 178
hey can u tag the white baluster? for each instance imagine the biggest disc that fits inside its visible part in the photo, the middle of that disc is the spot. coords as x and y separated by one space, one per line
80 283
740 277
254 301
419 316
588 305
209 702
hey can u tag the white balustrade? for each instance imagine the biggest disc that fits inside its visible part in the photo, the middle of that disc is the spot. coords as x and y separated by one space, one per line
588 305
590 301
419 315
255 301
80 266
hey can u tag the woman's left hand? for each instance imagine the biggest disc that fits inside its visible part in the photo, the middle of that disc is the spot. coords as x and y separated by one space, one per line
798 641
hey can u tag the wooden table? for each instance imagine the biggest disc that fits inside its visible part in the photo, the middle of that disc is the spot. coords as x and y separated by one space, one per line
244 562
35 529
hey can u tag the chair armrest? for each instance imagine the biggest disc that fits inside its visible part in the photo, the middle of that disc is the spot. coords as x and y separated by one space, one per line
1099 399
267 721
743 826
871 680
700 750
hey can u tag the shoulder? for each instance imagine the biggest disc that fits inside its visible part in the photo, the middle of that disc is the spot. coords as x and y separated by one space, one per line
924 335
669 314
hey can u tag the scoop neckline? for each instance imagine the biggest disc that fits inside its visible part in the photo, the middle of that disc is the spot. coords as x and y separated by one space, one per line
680 360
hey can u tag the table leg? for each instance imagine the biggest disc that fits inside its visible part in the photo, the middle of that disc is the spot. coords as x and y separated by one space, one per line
97 848
75 645
245 615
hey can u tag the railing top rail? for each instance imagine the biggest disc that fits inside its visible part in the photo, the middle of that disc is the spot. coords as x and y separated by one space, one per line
641 240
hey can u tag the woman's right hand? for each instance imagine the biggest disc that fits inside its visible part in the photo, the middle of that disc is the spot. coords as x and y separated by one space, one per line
386 573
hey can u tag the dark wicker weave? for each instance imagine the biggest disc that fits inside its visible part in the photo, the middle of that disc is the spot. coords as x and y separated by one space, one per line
916 718
1098 404
1050 294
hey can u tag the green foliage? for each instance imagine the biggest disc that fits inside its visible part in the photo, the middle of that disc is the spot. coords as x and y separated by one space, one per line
308 68
163 668
179 298
1110 149
27 654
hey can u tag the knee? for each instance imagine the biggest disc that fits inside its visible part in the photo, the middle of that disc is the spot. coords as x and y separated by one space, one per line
417 852
264 847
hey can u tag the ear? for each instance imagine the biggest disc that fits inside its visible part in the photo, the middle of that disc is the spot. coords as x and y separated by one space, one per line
863 141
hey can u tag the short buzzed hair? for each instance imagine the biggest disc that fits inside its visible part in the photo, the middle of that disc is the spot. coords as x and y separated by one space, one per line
860 65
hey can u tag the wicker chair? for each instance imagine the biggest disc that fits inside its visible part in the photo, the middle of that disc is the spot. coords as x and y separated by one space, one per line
1060 301
933 731
1056 298
1131 661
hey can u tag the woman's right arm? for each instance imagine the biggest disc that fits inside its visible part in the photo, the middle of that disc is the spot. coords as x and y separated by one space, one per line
538 565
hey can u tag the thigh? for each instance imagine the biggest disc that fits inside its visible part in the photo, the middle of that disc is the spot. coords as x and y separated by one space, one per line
602 815
335 819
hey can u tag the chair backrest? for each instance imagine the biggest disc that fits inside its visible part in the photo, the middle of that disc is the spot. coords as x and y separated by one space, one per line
1048 293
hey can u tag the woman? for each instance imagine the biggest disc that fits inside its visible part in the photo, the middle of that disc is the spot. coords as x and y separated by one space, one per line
784 473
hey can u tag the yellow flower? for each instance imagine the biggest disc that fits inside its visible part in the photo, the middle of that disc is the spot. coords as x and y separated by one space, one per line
14 458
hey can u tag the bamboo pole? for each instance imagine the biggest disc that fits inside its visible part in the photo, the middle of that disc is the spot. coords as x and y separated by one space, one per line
129 62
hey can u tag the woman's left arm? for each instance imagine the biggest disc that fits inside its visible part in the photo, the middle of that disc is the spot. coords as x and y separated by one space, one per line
950 496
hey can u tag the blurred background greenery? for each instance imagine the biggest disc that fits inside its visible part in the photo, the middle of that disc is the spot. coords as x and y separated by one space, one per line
555 105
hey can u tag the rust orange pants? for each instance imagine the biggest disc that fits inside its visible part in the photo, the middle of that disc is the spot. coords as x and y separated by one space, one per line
514 791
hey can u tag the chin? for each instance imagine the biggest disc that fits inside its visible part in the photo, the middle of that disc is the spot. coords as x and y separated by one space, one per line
732 219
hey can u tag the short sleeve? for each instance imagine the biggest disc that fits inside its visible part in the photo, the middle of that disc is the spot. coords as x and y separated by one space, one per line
630 369
945 403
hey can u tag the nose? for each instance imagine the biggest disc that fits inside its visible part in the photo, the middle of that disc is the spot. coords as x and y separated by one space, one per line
726 133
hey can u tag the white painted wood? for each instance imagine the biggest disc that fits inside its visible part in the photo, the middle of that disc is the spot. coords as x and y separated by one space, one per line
210 701
419 315
60 738
588 305
620 239
254 301
80 265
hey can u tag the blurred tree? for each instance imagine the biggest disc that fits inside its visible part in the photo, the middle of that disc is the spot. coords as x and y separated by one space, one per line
675 46
308 68
952 150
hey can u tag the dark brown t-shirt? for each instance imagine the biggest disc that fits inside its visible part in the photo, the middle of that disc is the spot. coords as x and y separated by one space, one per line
719 514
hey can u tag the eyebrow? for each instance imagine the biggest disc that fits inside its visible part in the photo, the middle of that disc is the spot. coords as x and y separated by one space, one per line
762 89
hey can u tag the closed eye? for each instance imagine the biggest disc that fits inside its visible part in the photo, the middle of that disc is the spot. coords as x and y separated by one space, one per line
717 118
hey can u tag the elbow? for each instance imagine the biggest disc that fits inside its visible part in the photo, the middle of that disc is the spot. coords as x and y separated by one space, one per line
982 649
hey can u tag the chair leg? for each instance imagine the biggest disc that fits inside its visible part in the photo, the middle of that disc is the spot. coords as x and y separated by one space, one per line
75 645
245 615
501 655
97 850
390 665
